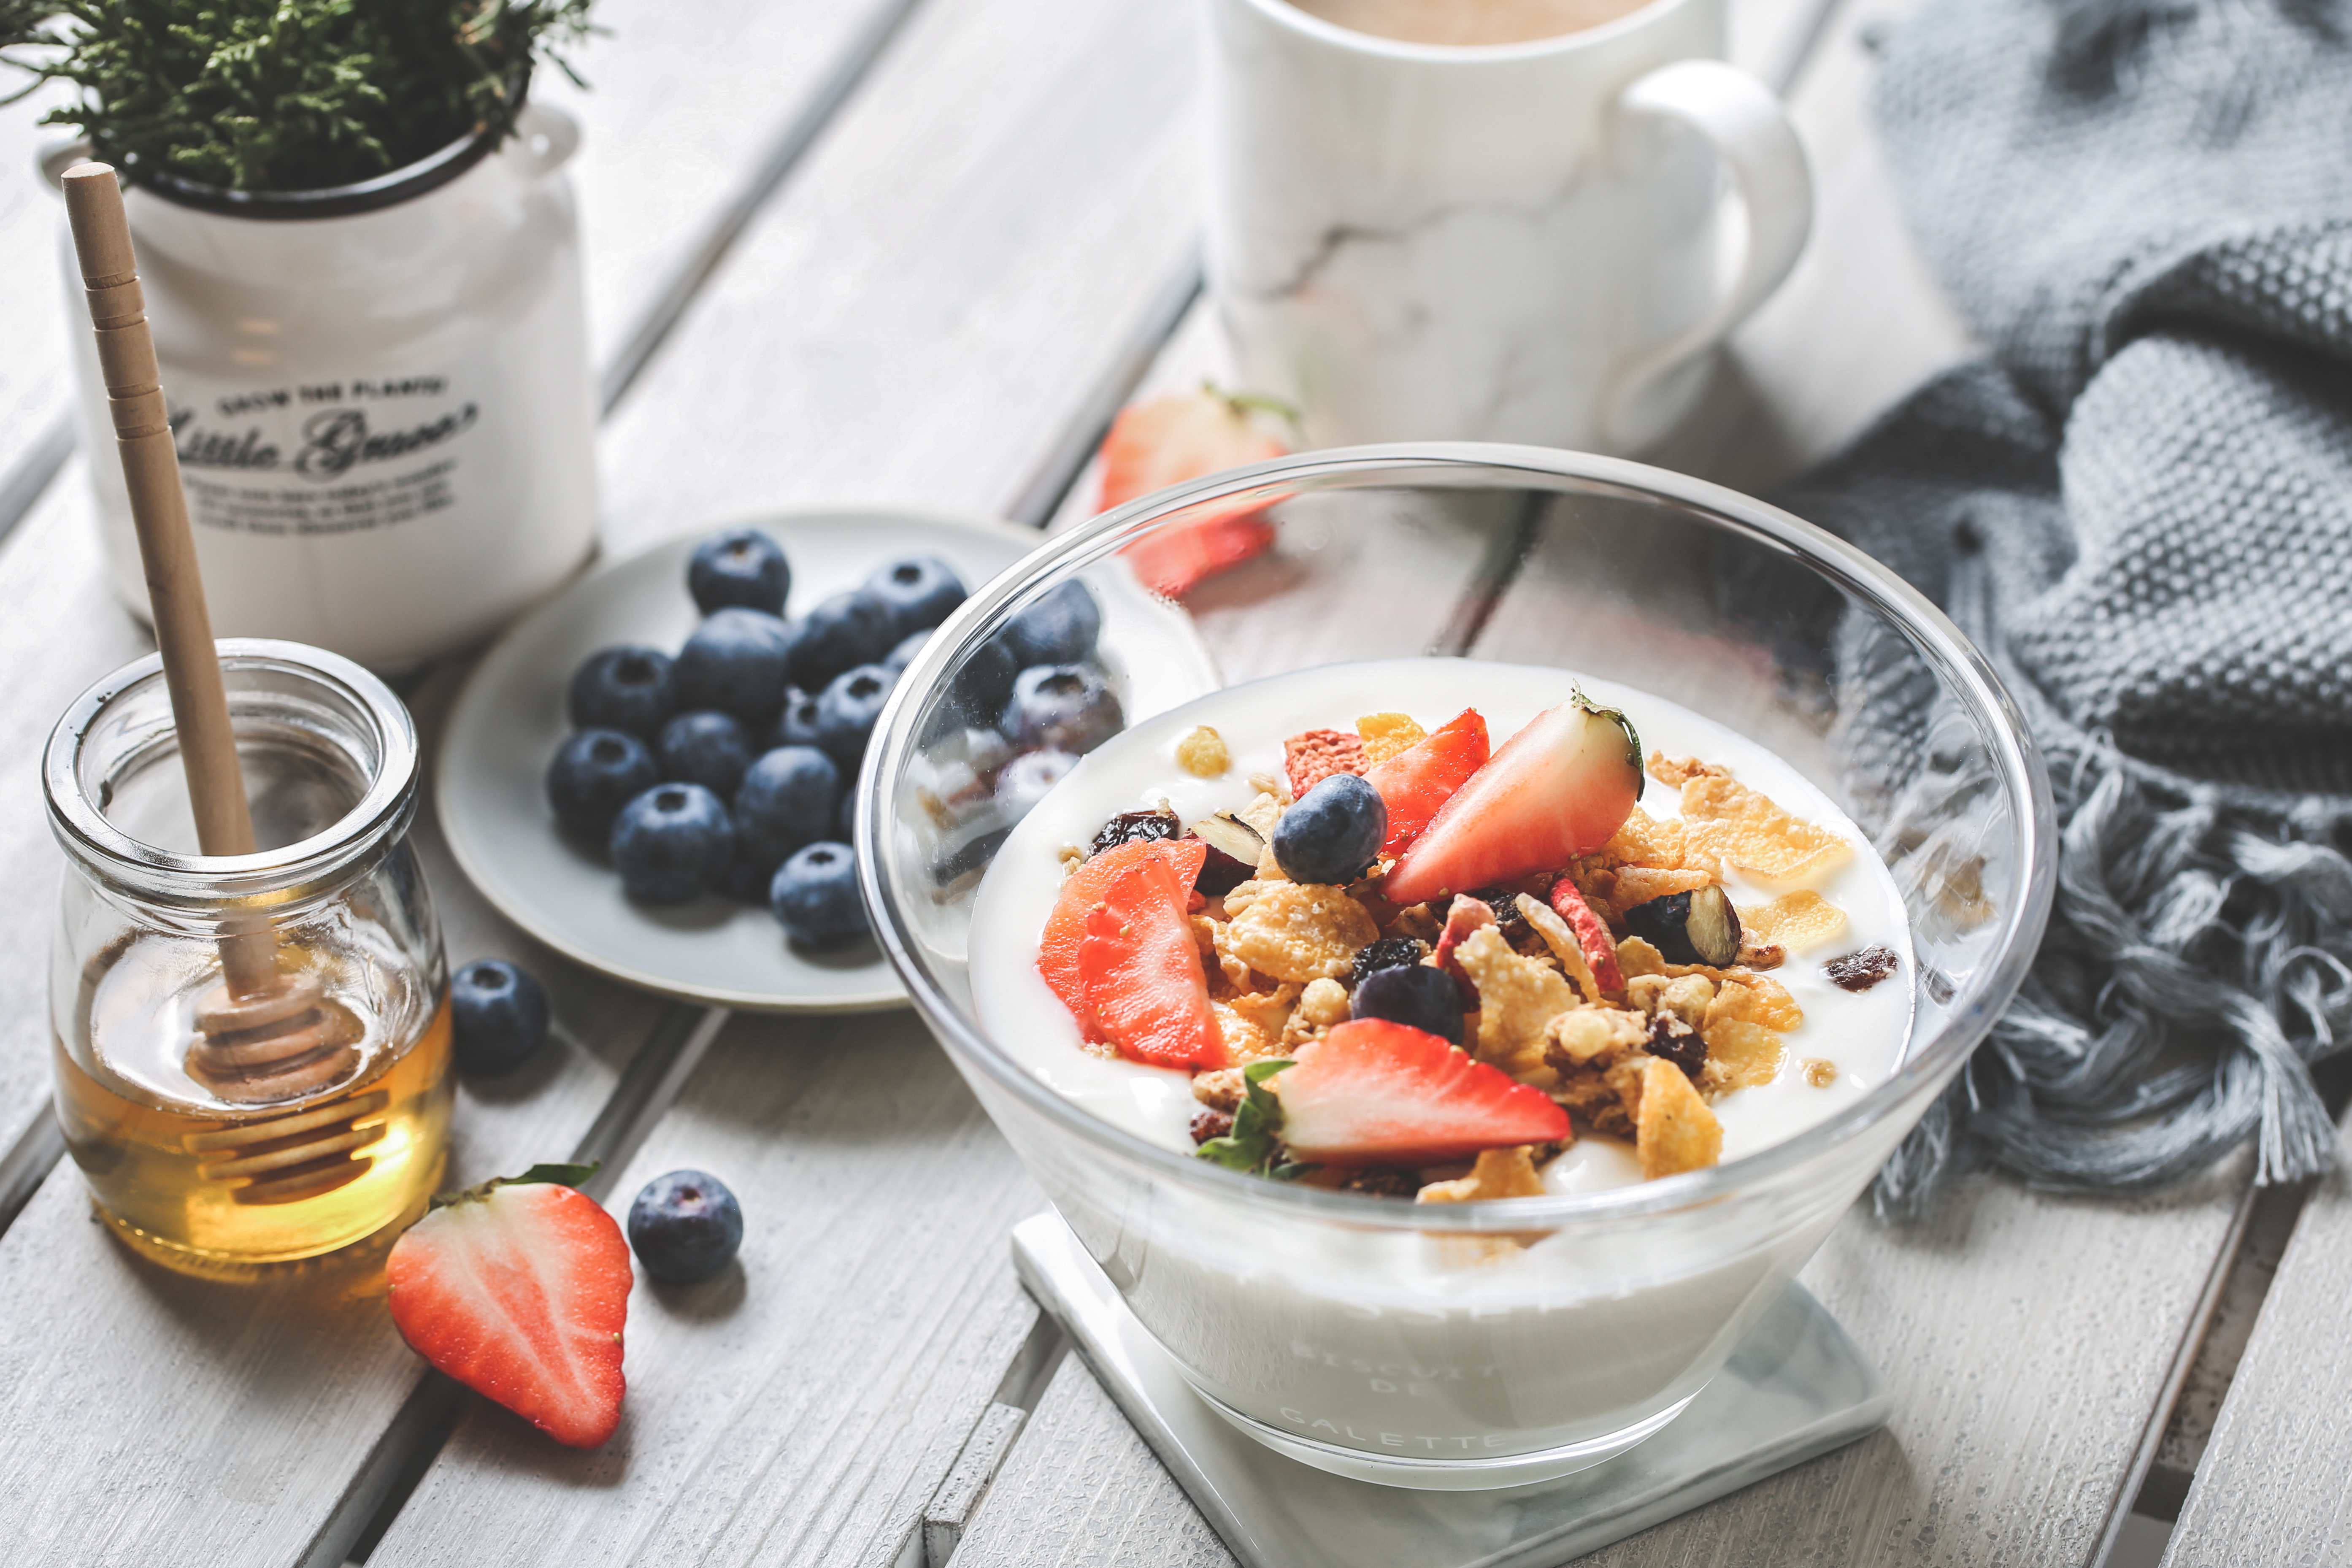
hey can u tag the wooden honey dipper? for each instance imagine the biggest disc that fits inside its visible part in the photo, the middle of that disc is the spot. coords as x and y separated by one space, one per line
263 1035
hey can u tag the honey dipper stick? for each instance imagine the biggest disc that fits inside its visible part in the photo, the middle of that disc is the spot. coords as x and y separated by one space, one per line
265 1034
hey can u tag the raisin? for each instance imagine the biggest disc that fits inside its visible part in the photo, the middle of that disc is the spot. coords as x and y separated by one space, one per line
1128 826
1860 971
1505 902
1383 1182
1389 952
1671 1040
1211 1124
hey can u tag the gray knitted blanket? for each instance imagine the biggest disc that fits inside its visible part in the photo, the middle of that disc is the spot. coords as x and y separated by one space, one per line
2140 506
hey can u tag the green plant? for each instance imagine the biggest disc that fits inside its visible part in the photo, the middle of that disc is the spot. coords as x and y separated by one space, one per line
283 94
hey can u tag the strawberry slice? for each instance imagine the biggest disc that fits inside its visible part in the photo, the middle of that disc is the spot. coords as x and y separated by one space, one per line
1591 935
1374 1092
1188 435
1418 781
1558 789
1065 928
519 1290
1145 988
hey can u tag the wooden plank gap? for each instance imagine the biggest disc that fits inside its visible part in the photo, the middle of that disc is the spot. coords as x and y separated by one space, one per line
960 1494
727 225
28 480
26 1165
1033 1365
1048 486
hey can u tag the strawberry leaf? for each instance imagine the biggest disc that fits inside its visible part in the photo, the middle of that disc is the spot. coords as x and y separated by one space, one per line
1257 1130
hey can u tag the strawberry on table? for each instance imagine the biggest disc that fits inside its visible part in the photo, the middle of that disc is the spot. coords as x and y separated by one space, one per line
1188 435
1140 968
1372 1092
1556 790
1418 781
1065 928
520 1289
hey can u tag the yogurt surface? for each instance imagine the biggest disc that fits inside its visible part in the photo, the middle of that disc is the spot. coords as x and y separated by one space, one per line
1861 1035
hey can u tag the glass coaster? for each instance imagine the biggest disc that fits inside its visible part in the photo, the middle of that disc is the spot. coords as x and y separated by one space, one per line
1794 1389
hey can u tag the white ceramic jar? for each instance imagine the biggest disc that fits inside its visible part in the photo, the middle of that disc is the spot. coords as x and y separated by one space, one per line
380 392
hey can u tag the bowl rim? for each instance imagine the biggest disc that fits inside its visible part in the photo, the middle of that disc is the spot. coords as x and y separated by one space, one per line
1973 1009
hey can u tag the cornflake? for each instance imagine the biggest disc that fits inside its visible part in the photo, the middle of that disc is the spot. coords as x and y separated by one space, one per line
1518 998
1267 1012
1795 921
1202 753
1386 735
1741 1055
1299 933
1660 843
1727 819
1562 942
1673 1130
1753 999
1498 1173
1244 1040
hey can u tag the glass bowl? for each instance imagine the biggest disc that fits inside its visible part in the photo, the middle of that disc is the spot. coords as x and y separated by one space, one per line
1376 1337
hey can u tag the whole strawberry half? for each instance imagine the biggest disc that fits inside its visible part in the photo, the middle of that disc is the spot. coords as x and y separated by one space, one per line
520 1289
1416 782
1142 974
1558 789
1082 890
1188 435
1377 1094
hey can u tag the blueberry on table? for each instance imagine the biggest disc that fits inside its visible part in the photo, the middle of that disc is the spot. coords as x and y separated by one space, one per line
672 844
1331 832
594 774
743 567
1065 707
1060 628
735 662
498 1013
842 632
685 1226
796 725
899 657
709 748
1026 779
846 711
788 798
1420 995
626 688
920 591
815 896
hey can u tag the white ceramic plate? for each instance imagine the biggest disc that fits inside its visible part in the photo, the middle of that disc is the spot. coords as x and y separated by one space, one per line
508 719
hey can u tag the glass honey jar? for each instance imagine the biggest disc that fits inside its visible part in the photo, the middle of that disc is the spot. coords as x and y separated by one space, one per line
207 1145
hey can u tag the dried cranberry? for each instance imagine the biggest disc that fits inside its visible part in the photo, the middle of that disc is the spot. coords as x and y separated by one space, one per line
1671 1040
1389 952
1211 1124
1128 826
1860 971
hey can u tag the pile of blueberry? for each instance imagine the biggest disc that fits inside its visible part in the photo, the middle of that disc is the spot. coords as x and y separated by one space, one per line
727 769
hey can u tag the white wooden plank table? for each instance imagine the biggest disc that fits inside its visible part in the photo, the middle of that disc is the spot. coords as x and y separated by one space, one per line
917 251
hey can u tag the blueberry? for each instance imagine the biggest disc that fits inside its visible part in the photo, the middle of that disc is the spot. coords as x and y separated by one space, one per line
685 1226
845 825
787 799
815 896
1065 707
498 1014
984 680
842 632
672 844
743 566
796 725
897 660
921 592
735 662
1026 779
1060 628
596 772
846 713
627 689
709 748
1420 995
1333 831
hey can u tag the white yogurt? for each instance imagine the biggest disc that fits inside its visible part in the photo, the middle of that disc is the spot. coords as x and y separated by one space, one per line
1382 1344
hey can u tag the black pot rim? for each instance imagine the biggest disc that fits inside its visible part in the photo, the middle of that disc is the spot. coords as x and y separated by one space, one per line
390 188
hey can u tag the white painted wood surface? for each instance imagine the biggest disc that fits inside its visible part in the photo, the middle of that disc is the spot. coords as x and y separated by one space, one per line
2274 1489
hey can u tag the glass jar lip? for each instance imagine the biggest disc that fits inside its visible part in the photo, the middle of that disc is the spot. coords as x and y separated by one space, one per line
382 811
2024 780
